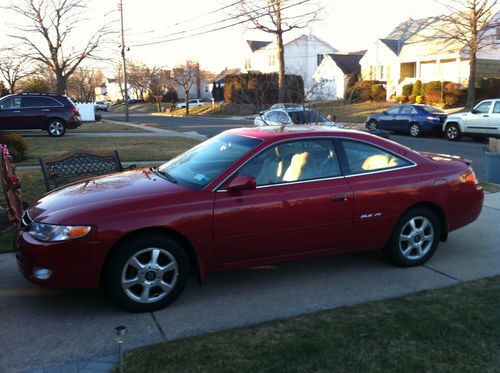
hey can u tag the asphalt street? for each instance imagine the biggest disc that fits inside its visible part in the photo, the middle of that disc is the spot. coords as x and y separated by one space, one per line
41 327
211 126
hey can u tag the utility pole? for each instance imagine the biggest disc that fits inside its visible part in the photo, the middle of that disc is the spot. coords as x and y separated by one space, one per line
120 6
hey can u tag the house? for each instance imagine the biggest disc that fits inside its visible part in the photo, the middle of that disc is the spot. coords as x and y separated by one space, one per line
303 54
111 90
333 74
414 50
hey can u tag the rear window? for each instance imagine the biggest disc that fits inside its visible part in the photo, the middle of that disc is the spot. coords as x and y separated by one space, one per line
306 117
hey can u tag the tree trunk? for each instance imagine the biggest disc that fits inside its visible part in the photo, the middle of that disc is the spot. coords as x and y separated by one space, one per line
60 84
281 56
186 97
471 90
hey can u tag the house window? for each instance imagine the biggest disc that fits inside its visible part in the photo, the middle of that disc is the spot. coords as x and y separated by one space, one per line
319 58
248 63
272 60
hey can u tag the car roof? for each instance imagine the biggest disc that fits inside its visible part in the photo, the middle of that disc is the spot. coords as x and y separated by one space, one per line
283 131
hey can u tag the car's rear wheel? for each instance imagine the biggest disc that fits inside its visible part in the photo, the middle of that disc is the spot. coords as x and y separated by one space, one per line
56 128
414 239
452 132
371 125
415 130
147 273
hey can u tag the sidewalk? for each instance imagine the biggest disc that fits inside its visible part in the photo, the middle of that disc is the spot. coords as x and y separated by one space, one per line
73 330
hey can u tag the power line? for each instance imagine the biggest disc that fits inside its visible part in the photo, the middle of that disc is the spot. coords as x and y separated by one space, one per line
214 29
189 20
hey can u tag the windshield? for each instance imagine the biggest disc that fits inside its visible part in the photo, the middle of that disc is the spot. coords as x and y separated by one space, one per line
306 117
433 110
199 166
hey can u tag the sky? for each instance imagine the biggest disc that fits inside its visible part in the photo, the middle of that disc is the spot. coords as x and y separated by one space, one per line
347 25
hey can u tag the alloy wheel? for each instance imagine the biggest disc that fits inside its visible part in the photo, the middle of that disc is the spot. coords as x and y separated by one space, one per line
149 275
416 238
56 128
415 130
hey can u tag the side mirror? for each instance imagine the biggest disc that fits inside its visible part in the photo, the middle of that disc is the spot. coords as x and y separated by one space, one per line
384 112
474 111
242 182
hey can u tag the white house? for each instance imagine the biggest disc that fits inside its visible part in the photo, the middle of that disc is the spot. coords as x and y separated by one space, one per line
414 50
333 74
112 91
303 54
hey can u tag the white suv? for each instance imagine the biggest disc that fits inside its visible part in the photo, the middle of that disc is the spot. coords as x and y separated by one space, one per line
482 121
192 103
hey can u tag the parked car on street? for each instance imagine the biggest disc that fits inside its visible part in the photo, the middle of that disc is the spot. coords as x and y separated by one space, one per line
52 113
101 105
412 119
291 115
482 121
192 103
246 197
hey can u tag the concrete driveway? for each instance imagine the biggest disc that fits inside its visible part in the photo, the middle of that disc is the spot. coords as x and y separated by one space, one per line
41 328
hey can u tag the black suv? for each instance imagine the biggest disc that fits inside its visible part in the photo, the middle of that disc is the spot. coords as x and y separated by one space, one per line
48 112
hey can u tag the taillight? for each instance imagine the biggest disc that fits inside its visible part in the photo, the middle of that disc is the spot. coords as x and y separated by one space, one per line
469 178
74 110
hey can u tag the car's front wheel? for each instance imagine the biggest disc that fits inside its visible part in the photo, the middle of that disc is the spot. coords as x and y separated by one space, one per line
147 273
414 239
56 128
452 132
415 130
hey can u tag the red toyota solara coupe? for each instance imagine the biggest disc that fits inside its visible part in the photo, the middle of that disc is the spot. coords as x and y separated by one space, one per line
243 198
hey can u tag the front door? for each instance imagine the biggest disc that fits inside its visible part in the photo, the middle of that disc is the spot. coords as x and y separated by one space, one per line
302 205
10 113
478 120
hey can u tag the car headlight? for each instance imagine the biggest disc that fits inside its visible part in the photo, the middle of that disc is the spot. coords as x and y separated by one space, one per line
51 232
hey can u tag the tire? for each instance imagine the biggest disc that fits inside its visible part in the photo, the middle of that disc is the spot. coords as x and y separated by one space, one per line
452 132
414 239
371 125
56 128
415 130
147 273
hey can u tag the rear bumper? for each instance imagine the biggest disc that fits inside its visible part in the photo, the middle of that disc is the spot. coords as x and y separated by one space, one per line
72 124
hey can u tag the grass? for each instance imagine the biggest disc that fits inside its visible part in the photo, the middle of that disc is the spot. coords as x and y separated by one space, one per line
490 187
105 127
129 149
351 113
456 329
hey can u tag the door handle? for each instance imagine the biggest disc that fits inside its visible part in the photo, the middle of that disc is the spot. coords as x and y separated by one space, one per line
338 199
486 115
16 111
45 109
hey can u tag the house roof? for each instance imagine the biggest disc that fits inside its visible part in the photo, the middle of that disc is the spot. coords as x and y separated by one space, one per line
257 44
348 63
289 39
421 37
221 77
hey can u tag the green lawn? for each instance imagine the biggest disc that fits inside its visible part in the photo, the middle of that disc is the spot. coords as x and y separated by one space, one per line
456 329
129 149
105 127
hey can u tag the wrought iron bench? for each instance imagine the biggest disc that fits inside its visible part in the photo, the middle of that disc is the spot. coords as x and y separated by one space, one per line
78 165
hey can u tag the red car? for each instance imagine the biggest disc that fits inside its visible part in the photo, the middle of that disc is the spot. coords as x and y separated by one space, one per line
246 197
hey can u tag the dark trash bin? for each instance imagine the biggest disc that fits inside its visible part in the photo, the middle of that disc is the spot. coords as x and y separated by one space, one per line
492 164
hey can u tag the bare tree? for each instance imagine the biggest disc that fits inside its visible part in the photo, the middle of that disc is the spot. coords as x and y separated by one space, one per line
13 68
185 76
83 82
48 28
278 17
471 23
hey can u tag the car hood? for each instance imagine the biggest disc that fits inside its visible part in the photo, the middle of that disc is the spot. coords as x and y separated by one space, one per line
102 195
458 115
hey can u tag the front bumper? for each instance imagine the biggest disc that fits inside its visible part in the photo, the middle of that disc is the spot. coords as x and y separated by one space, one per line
73 264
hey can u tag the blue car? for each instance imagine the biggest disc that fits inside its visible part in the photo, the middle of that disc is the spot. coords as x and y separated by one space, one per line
413 119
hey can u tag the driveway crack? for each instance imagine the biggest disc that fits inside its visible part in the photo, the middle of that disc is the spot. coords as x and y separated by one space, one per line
159 326
442 273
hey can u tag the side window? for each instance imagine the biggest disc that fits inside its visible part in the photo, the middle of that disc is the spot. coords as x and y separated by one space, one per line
483 108
407 110
362 157
496 109
11 103
294 161
38 102
394 110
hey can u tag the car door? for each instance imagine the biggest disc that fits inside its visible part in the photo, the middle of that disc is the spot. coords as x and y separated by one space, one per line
381 182
406 115
478 120
494 119
302 205
388 120
10 113
37 110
